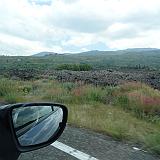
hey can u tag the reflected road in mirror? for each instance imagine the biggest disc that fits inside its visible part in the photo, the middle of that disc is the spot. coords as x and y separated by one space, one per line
36 124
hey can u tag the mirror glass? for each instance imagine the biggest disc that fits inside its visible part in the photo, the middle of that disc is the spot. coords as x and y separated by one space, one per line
36 124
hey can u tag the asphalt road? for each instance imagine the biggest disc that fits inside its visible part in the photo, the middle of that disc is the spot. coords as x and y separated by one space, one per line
96 145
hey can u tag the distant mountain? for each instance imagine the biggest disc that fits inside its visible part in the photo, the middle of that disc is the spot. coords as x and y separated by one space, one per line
95 52
119 52
136 58
141 49
42 54
87 53
100 53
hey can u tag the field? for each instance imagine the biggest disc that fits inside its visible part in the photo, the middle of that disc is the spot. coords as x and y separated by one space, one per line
116 93
127 112
96 67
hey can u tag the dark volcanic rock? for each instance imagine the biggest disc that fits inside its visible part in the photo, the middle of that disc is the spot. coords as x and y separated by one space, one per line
104 77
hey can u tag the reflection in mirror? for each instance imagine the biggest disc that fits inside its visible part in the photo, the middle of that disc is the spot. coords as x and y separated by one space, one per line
36 124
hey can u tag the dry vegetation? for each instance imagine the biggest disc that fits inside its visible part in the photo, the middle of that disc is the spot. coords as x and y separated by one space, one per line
126 112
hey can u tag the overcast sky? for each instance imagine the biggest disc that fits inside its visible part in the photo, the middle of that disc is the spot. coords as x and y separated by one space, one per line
31 26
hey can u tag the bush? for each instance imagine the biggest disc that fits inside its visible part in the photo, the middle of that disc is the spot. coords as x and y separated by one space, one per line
74 67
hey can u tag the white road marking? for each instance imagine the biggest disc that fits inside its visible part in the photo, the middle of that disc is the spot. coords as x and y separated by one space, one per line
73 152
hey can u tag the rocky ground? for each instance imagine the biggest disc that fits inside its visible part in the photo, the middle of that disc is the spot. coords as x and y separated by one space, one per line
96 77
108 77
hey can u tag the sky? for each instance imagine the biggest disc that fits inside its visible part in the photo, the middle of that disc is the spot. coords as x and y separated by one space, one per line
70 26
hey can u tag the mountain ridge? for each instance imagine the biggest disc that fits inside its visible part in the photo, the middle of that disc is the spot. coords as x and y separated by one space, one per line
96 52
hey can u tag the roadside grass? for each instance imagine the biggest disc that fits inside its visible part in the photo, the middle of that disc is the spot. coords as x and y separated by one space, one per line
117 123
9 91
140 99
129 112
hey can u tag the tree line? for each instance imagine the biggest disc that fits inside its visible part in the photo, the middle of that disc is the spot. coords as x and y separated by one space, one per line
74 67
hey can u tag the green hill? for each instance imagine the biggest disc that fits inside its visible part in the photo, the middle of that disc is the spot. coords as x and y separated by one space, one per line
131 58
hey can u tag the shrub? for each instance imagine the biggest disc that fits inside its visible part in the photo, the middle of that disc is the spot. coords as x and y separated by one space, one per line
75 67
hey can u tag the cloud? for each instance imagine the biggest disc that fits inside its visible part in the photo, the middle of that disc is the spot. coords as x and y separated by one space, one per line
40 2
11 45
30 26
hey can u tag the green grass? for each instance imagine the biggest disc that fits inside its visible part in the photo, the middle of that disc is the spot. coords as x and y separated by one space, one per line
112 121
129 112
140 99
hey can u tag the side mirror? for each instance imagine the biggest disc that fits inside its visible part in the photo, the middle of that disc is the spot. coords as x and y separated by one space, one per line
36 125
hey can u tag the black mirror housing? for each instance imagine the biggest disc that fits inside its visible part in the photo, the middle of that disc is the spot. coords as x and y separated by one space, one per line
10 128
